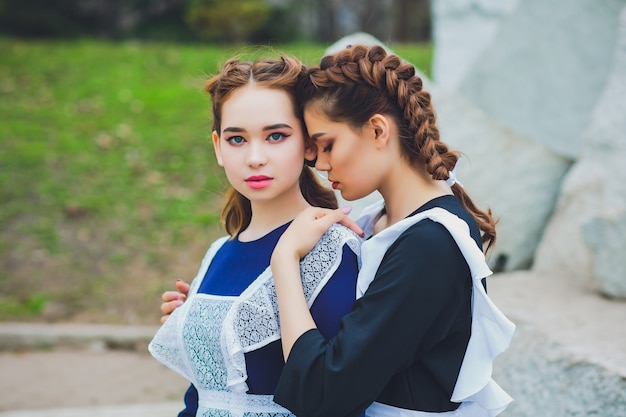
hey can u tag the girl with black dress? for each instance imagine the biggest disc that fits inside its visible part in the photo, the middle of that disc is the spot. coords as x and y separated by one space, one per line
421 338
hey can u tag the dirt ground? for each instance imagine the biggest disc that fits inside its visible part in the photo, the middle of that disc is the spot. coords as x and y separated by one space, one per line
62 378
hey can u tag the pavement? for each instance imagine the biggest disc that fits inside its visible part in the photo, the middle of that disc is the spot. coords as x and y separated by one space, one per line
566 333
67 370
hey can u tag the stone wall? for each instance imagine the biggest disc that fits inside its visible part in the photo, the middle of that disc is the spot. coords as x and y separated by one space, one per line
552 75
558 187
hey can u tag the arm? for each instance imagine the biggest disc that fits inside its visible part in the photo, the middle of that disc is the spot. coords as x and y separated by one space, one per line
298 240
336 298
416 286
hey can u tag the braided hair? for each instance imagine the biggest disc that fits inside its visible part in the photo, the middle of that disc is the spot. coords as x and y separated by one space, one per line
358 82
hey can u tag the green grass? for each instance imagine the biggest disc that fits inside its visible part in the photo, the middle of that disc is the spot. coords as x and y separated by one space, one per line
108 185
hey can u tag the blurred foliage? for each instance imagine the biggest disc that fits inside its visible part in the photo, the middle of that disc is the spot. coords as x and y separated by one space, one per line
172 20
32 306
225 19
257 21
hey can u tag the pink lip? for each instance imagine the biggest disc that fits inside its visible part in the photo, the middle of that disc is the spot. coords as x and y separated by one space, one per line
258 181
335 184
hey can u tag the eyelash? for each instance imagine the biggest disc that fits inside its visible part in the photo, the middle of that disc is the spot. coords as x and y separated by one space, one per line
282 136
232 139
327 148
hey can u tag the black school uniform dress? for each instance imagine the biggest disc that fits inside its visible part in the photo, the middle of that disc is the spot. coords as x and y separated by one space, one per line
422 336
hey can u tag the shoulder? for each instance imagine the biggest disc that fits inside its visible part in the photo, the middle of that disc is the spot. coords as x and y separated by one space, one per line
426 249
337 236
332 243
427 239
217 244
206 261
213 248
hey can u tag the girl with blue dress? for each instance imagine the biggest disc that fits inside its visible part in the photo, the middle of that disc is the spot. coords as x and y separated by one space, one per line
225 338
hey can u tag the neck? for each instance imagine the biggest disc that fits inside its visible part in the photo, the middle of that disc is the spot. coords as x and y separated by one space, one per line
406 189
268 215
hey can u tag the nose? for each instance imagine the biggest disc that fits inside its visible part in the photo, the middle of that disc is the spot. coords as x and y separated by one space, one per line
256 154
322 164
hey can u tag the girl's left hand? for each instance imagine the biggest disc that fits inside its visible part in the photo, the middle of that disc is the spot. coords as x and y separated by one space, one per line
307 229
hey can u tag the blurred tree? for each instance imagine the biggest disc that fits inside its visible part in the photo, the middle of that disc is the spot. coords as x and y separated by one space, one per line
255 21
281 25
326 17
41 18
388 20
227 20
161 19
412 20
371 16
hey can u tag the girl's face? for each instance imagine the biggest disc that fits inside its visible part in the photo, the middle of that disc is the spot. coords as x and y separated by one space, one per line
351 158
261 145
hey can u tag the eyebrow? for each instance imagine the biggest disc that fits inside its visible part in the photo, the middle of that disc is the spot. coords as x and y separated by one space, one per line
316 136
269 127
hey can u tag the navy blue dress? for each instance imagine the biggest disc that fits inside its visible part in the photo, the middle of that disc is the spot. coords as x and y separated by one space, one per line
249 260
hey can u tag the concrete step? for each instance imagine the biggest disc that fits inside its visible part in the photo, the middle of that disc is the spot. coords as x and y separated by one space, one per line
568 355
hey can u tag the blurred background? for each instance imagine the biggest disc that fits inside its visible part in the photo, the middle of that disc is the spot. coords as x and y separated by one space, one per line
109 189
256 21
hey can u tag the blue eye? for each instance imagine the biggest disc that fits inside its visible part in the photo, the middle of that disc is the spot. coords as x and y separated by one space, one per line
275 137
235 140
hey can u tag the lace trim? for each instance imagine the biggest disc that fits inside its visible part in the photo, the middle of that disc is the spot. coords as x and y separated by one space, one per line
239 403
189 341
252 322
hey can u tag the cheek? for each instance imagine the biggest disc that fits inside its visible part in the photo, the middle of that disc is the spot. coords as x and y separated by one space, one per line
228 158
292 159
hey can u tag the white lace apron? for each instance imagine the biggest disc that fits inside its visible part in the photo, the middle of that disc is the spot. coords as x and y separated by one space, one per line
206 338
491 330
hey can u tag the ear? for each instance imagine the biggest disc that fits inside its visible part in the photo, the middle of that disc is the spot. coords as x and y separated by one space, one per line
310 150
216 146
381 127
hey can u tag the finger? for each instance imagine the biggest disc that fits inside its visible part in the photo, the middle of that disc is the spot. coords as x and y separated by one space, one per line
164 318
167 308
329 217
170 296
340 215
182 286
170 306
352 225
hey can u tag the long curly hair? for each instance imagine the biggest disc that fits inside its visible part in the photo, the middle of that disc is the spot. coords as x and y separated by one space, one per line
281 74
352 85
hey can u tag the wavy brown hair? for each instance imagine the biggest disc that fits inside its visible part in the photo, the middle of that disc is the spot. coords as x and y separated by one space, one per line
358 82
282 74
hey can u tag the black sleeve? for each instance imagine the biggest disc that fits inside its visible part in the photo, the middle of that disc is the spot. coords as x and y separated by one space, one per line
416 287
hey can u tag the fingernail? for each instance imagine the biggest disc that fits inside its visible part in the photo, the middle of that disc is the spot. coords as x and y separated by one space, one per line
179 303
346 209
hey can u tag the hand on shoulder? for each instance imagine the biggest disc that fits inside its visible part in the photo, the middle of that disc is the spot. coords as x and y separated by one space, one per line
307 229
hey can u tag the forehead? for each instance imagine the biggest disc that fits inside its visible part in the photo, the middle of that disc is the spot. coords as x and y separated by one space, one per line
255 103
319 125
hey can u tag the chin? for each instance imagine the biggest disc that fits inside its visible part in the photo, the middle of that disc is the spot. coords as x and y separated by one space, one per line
348 196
